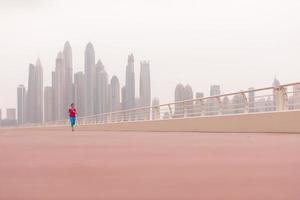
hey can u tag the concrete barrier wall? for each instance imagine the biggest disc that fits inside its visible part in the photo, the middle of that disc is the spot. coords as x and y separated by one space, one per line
273 122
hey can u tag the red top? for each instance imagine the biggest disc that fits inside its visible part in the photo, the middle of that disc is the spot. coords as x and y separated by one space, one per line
72 112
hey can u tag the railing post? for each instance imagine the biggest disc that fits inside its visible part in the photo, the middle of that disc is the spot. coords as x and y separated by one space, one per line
170 110
281 98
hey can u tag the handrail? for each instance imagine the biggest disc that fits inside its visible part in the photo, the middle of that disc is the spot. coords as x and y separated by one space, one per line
185 107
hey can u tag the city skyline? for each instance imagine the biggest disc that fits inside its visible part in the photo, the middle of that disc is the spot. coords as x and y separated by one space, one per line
243 44
93 89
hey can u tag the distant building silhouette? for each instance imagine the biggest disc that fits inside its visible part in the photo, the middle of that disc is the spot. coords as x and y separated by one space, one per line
189 95
179 96
145 90
115 93
59 87
21 104
145 84
68 63
89 71
79 93
35 93
130 84
101 104
39 92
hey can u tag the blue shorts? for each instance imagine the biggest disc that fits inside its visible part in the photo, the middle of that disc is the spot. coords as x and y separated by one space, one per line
72 121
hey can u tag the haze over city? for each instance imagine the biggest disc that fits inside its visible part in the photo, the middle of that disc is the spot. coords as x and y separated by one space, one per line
150 99
234 44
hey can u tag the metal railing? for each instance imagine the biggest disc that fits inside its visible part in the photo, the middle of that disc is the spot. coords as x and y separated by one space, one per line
269 99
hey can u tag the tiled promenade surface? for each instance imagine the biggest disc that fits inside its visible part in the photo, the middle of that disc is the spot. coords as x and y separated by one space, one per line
61 165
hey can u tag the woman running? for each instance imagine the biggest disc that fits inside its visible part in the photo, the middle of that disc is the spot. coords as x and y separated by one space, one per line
72 115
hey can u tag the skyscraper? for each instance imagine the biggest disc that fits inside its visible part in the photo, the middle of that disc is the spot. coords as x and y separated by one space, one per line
101 103
59 88
79 87
115 94
130 84
21 96
179 96
49 104
145 90
35 93
145 85
89 70
189 106
31 96
39 91
69 92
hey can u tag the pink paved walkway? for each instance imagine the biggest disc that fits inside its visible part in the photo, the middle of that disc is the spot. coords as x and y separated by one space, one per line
42 165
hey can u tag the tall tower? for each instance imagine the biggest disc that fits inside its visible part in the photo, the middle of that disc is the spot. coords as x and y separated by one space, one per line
69 93
58 84
145 84
101 88
115 93
34 97
79 88
130 84
103 91
39 92
188 95
31 100
21 96
89 70
179 96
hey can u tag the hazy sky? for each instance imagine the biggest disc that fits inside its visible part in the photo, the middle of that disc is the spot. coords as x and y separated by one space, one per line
234 43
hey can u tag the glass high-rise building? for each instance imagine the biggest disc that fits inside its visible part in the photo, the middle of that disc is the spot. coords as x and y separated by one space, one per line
130 84
90 75
21 104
